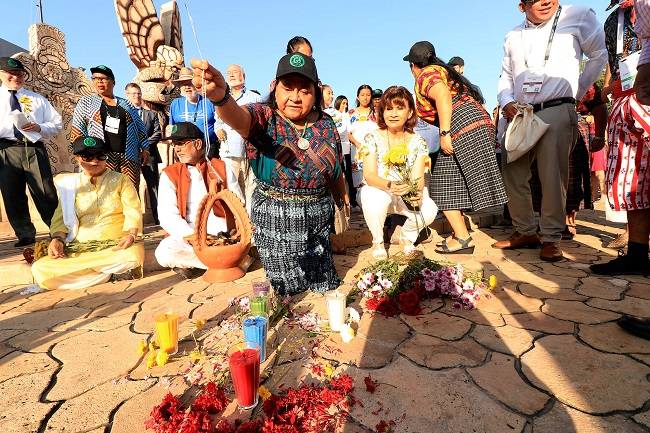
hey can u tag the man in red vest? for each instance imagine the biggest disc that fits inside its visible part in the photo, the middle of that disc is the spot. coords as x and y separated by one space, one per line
182 187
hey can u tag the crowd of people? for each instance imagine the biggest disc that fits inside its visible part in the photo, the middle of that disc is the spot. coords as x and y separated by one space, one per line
299 155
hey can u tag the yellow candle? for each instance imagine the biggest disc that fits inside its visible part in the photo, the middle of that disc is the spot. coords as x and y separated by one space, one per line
167 332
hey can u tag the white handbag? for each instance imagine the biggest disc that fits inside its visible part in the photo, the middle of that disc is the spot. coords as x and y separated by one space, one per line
523 133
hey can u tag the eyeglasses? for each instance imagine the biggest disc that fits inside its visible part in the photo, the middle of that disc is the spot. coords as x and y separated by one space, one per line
530 2
101 79
87 158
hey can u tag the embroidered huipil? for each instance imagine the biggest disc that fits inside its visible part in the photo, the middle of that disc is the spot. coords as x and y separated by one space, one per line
276 159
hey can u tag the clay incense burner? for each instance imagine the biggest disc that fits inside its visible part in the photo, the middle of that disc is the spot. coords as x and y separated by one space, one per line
223 260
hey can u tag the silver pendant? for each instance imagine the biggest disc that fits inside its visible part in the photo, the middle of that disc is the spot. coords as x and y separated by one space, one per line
303 143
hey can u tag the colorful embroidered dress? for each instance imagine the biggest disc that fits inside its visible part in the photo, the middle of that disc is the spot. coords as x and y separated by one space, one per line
292 208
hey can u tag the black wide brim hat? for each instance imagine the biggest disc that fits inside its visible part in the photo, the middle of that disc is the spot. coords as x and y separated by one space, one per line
297 63
89 146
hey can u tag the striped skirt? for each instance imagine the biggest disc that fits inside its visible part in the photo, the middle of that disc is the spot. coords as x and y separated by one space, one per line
628 164
470 178
293 238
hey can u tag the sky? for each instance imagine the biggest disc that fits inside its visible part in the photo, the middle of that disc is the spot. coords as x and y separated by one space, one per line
355 41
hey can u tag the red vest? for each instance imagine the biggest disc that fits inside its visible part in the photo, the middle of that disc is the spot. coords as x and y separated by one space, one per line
180 177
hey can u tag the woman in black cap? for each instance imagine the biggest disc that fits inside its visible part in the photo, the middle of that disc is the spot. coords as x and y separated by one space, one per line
295 152
466 175
95 225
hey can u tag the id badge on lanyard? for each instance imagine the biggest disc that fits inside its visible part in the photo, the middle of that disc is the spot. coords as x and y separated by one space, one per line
534 78
626 66
112 125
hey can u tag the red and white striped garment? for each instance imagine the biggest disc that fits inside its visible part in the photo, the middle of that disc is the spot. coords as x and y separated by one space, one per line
628 168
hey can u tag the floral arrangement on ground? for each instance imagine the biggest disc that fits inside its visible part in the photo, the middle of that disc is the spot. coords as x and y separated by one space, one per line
398 285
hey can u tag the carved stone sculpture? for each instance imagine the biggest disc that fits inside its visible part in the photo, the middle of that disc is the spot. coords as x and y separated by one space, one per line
50 74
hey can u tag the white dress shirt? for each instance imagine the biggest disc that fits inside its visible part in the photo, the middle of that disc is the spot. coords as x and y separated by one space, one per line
578 33
234 147
40 111
169 215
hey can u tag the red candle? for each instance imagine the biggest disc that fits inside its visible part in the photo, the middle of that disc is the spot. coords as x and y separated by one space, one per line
245 373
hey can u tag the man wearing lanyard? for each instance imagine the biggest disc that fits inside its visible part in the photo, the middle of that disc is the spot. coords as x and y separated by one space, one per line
23 157
541 67
191 107
232 147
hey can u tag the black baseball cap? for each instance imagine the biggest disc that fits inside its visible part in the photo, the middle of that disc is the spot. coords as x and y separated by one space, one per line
184 131
103 69
376 93
11 64
88 146
297 63
456 61
420 52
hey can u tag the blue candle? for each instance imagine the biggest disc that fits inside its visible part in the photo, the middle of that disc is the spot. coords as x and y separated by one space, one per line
255 332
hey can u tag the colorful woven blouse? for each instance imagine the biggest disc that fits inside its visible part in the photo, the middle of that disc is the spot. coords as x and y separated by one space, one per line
277 160
429 77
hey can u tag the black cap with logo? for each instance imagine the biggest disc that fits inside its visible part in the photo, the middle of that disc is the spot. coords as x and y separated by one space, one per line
297 63
103 69
87 146
376 93
183 131
11 64
420 53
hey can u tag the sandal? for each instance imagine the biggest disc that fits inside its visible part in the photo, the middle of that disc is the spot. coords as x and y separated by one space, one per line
464 248
379 252
569 232
619 241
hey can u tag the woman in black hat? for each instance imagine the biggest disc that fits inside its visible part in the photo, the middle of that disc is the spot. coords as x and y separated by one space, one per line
466 175
295 152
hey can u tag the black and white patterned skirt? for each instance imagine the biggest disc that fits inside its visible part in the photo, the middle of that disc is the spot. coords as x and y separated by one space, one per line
292 234
469 179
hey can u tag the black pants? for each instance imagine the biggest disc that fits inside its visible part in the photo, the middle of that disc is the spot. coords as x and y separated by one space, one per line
352 191
151 177
22 166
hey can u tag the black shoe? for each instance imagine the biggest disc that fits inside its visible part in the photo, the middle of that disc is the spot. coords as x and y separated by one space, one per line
24 242
638 327
622 265
189 273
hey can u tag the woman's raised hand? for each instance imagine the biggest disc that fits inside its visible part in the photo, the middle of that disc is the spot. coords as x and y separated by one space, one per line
208 75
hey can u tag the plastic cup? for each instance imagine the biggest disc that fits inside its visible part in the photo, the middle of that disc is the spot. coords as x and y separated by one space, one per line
244 362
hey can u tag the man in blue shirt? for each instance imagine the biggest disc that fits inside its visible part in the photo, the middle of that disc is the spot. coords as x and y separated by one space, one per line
191 107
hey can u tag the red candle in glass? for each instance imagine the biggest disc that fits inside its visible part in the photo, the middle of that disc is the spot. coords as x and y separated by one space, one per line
244 363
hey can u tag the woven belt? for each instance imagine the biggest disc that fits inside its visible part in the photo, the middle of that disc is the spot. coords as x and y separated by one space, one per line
292 195
553 103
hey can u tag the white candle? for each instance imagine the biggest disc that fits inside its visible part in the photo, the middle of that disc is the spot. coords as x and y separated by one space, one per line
336 309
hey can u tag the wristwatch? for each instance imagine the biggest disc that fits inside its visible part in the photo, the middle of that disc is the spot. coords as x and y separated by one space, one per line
444 132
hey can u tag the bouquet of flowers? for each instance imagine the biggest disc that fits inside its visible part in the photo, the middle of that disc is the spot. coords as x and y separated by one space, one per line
395 161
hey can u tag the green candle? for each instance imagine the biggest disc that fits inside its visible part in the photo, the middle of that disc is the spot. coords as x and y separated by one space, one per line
259 305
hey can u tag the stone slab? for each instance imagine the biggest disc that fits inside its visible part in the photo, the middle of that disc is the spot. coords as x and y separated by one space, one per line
629 305
435 353
566 419
500 379
439 325
20 408
609 337
577 312
584 378
539 322
430 401
505 339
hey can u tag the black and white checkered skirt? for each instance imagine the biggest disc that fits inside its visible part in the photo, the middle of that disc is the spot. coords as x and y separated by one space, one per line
293 238
470 178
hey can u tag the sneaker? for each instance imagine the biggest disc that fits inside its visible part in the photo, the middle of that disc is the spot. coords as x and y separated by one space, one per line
618 242
622 265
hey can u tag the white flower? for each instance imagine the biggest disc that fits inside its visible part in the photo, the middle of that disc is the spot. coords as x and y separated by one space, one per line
354 316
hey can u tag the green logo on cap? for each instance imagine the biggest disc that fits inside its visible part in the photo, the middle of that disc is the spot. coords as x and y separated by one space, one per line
12 62
297 61
90 142
174 129
102 67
